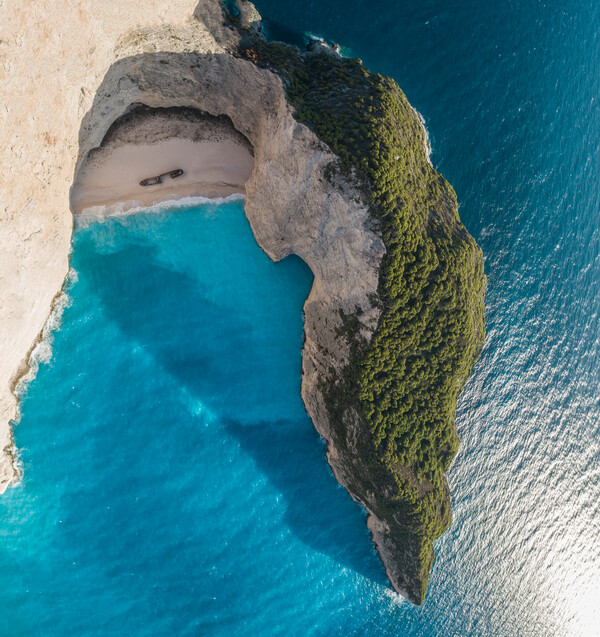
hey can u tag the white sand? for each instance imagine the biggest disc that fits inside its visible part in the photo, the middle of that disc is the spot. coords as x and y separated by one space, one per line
112 175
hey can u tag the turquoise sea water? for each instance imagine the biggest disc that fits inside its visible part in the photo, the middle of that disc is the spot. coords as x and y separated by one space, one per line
173 483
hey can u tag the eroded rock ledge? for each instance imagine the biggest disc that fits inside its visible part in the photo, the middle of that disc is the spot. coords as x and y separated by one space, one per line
341 178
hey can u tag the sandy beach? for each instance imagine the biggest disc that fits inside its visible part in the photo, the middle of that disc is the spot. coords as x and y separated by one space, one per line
215 158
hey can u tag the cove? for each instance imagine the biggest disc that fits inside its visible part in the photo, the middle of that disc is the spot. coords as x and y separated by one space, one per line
173 482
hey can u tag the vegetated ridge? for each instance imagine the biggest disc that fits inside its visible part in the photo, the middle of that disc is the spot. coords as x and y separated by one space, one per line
404 383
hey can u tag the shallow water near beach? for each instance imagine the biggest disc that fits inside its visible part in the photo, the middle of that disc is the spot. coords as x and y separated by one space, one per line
173 481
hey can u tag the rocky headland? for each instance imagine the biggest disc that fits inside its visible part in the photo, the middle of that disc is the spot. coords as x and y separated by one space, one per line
339 176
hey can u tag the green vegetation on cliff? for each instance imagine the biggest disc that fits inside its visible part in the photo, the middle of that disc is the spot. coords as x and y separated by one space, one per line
404 384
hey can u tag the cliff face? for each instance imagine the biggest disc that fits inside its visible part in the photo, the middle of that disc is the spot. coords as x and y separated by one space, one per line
302 198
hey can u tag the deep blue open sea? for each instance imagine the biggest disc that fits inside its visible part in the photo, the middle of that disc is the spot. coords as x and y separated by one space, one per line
173 483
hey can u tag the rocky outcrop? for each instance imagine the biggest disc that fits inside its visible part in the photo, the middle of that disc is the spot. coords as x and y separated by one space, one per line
250 18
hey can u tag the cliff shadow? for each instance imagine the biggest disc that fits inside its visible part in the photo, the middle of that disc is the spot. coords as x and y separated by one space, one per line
319 511
173 331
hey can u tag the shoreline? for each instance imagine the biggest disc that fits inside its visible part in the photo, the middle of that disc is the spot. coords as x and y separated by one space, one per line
216 160
211 170
40 352
126 208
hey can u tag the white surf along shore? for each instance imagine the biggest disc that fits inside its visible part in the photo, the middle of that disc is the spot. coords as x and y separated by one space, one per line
215 158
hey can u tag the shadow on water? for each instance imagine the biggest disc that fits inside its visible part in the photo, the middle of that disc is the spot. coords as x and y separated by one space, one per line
175 337
280 32
182 340
324 518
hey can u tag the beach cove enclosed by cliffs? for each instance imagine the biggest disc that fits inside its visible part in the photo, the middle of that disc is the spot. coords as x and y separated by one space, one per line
215 159
394 319
141 513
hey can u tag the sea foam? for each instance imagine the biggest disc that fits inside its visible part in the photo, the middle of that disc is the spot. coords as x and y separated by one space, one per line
99 214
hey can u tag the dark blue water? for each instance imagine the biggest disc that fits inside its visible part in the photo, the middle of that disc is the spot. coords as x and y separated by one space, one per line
173 483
